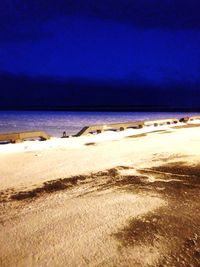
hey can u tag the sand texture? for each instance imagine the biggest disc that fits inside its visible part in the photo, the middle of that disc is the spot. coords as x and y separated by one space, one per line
115 199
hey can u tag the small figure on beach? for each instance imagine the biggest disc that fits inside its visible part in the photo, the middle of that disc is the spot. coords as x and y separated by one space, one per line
64 135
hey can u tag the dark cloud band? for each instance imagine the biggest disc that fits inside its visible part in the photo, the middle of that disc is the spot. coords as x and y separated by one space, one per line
167 14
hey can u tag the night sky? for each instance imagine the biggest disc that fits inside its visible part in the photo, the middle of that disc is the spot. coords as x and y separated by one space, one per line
113 54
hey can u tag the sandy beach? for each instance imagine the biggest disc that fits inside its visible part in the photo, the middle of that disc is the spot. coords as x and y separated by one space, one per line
127 198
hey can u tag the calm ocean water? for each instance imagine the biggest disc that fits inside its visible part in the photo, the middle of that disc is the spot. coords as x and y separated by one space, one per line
56 122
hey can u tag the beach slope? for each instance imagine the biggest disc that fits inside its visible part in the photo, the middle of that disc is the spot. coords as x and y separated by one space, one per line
114 199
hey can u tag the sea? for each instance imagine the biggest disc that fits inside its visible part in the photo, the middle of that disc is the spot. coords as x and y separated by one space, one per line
56 122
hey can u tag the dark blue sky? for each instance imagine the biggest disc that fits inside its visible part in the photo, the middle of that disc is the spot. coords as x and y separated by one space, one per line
151 42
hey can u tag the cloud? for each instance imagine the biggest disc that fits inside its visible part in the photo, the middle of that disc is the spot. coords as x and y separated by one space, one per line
171 15
48 93
166 14
17 36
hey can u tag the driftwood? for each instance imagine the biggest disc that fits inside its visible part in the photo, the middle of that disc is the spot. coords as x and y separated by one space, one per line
20 136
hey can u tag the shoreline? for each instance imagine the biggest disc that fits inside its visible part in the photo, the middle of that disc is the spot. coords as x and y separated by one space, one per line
72 122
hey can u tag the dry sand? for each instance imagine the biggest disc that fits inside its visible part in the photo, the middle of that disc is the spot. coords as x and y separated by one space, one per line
114 199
